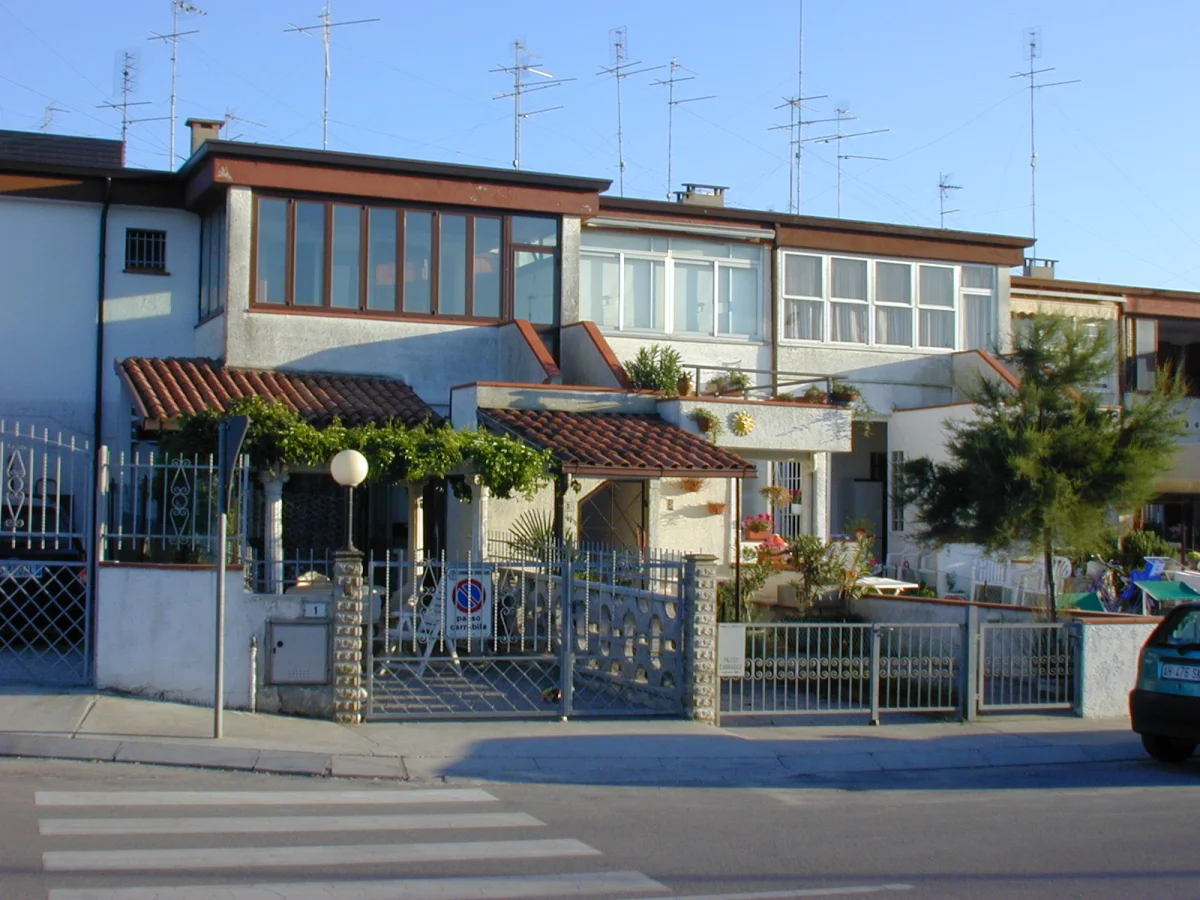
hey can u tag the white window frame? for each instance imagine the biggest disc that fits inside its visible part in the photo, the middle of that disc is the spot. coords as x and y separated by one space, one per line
851 301
953 308
669 258
911 305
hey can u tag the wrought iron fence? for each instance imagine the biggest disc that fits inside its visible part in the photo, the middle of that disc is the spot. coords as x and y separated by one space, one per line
47 489
162 508
1027 666
298 569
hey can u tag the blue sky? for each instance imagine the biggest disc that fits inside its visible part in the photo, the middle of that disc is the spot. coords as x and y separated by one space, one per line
1116 161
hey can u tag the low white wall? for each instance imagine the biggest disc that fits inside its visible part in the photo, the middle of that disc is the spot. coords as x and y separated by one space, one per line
1109 660
932 610
155 628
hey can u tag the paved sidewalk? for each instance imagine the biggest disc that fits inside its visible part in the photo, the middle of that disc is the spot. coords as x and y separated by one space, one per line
95 726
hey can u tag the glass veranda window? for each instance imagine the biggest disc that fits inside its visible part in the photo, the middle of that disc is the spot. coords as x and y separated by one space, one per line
848 306
893 304
937 307
804 293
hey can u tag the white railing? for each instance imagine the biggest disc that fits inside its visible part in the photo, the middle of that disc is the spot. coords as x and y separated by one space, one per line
46 488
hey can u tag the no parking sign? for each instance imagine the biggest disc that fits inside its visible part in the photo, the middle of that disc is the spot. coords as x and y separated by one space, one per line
470 612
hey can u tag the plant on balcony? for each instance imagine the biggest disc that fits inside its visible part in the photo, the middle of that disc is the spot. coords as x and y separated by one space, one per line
691 485
777 495
842 393
758 526
814 395
706 421
656 368
732 382
716 508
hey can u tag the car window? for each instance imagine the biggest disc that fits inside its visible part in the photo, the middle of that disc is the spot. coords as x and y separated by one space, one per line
1183 627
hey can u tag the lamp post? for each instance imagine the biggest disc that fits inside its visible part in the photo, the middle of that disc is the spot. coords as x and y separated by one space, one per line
349 469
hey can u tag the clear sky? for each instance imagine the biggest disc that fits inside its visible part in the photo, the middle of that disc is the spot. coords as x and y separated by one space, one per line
1115 152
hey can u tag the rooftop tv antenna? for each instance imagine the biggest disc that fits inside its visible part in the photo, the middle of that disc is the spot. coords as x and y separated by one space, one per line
619 41
325 27
795 126
1033 50
231 116
670 82
944 189
518 70
178 8
48 115
843 115
126 84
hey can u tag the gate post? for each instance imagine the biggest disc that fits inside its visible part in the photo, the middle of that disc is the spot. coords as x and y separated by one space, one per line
566 668
969 686
876 660
700 684
347 636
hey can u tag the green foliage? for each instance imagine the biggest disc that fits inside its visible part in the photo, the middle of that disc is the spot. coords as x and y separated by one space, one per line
817 568
1045 464
731 607
735 382
656 368
1137 545
707 420
532 535
279 436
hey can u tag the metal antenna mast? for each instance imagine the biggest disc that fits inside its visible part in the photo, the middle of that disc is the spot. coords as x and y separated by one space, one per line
795 126
48 115
670 83
944 189
127 84
231 116
177 7
325 27
619 38
843 115
520 87
1033 50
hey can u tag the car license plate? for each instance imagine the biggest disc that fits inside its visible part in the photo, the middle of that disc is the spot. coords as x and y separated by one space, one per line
1176 672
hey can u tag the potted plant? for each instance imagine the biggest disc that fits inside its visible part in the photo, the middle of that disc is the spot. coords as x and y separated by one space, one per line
814 395
706 421
656 368
691 485
716 507
758 527
843 394
733 382
776 495
684 386
796 505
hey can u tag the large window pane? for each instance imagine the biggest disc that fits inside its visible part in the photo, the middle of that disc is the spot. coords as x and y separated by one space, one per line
804 320
978 325
418 261
937 287
737 309
694 297
535 230
849 279
534 294
692 247
346 227
486 291
937 329
452 266
848 322
893 326
271 265
381 260
802 276
645 293
599 288
893 283
308 287
621 240
979 277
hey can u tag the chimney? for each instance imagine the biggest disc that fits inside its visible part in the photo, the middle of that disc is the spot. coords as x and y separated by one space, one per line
701 195
1039 268
204 130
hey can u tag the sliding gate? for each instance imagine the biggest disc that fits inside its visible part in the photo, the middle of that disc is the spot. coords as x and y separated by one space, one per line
579 635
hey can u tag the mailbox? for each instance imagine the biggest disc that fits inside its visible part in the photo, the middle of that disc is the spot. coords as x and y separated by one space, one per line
299 652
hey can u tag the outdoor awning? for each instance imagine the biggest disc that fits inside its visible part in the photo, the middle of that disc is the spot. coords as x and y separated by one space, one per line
612 445
1029 306
166 389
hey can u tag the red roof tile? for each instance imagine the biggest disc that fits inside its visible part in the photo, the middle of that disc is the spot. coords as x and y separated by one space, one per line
589 443
166 389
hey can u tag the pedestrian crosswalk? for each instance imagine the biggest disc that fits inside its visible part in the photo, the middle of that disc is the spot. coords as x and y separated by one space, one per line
306 853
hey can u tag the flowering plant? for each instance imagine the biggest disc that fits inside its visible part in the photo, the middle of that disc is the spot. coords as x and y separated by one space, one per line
758 524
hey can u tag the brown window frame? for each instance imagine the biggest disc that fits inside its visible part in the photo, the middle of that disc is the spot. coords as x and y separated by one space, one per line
506 261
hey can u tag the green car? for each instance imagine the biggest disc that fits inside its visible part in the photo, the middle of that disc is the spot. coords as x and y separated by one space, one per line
1165 704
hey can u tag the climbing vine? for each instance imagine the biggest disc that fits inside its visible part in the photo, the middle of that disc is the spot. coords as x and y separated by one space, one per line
279 436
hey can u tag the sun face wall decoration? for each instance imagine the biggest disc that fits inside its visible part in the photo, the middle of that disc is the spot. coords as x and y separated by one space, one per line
743 424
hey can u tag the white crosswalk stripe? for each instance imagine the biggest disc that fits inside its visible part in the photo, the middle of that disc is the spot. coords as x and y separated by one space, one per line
195 825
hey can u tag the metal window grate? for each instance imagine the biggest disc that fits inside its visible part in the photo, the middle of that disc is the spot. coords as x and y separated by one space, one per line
145 251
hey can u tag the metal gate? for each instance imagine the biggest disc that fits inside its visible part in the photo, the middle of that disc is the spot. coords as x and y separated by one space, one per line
1027 666
46 541
579 634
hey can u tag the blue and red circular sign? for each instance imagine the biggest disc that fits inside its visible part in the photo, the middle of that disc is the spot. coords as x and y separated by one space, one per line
469 595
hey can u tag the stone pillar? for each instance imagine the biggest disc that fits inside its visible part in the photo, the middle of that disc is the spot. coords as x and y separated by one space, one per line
416 520
820 495
273 483
348 692
700 685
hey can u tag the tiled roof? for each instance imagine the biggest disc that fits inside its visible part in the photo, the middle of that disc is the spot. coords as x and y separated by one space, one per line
61 149
590 443
165 389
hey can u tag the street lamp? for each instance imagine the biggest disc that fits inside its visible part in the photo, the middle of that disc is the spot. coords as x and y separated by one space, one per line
349 469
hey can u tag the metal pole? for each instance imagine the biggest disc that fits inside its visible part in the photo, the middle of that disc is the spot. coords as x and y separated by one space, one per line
970 674
219 681
876 645
567 668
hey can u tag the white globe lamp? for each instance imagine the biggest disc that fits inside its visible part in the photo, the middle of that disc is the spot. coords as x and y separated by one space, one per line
349 468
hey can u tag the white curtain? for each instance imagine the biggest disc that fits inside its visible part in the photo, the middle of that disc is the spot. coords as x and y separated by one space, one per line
977 322
804 320
893 325
937 328
645 287
849 322
598 282
802 276
850 279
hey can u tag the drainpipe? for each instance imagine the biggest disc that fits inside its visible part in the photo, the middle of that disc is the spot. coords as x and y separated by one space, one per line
98 428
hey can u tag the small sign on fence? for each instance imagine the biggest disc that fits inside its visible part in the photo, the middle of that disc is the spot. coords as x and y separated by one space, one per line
470 613
731 651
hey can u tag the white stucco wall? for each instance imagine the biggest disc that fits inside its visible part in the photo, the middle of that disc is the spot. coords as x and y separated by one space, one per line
155 631
581 360
746 355
780 430
517 361
888 379
1109 658
684 522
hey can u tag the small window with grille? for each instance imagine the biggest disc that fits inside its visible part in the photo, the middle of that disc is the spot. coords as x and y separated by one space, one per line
145 251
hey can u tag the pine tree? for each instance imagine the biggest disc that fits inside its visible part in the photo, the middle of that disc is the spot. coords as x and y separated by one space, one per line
1046 464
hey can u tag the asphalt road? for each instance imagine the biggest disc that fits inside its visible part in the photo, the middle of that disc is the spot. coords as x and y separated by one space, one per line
83 831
